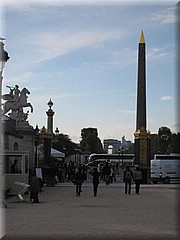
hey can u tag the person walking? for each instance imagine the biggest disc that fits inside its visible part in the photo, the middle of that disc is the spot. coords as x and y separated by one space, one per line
128 178
78 180
137 179
95 175
106 173
35 188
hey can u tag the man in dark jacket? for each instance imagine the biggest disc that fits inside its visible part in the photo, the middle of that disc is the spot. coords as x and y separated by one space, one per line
128 178
137 179
35 188
78 180
106 173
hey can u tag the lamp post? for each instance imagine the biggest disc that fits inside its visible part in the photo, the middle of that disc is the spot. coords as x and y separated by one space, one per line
77 155
64 151
165 138
119 151
122 149
57 131
36 146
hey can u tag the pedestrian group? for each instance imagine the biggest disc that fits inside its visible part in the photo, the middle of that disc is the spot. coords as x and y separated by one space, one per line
106 174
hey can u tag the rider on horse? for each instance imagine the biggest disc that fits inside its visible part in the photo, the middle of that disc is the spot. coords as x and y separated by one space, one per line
16 99
14 94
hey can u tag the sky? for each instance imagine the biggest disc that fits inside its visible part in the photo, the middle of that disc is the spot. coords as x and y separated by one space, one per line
83 55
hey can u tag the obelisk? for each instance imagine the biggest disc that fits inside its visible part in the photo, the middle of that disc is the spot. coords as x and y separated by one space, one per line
142 137
141 87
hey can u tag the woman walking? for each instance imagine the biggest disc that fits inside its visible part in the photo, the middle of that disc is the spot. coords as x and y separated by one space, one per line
78 180
137 179
95 175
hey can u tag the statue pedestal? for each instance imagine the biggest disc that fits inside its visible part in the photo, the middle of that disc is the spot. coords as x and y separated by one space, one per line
26 132
142 152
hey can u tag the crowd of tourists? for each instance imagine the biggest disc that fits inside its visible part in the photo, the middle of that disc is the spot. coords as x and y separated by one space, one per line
78 173
66 172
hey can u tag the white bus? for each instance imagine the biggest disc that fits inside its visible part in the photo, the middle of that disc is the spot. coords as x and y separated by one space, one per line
165 168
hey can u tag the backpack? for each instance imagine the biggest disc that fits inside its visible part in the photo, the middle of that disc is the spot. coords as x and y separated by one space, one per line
128 175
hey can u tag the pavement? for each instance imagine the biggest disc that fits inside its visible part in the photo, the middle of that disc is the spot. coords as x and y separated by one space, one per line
153 214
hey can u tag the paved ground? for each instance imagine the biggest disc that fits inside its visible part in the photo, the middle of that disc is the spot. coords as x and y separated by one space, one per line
111 215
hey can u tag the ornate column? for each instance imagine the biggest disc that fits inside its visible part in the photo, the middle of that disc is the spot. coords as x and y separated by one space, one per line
50 114
49 135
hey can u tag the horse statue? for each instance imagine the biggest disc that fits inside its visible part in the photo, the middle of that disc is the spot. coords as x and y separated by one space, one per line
15 105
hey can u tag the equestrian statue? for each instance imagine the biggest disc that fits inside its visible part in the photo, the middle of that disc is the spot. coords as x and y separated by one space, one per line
16 100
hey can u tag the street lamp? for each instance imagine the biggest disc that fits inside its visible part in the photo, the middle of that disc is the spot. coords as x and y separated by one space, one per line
122 149
57 131
36 145
77 155
165 138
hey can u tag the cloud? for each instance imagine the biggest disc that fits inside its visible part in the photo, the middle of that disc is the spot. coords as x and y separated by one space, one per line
50 45
167 52
129 56
20 78
157 53
165 17
128 112
166 98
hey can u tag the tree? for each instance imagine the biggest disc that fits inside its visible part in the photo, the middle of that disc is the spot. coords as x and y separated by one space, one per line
164 135
63 143
175 142
90 141
154 144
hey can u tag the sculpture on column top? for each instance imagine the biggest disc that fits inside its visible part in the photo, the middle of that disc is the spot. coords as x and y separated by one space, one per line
16 100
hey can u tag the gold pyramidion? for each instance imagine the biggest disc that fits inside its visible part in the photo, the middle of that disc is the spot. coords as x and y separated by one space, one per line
142 40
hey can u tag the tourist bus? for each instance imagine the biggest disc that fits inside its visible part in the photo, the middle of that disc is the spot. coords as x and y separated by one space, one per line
121 159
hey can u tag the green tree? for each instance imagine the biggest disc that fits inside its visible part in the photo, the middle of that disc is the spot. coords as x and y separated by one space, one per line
175 142
63 143
154 144
165 142
164 135
90 141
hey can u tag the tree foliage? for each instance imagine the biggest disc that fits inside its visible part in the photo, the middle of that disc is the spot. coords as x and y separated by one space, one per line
165 142
63 143
164 135
90 141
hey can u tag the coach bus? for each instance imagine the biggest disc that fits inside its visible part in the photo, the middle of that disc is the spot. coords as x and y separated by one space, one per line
122 159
